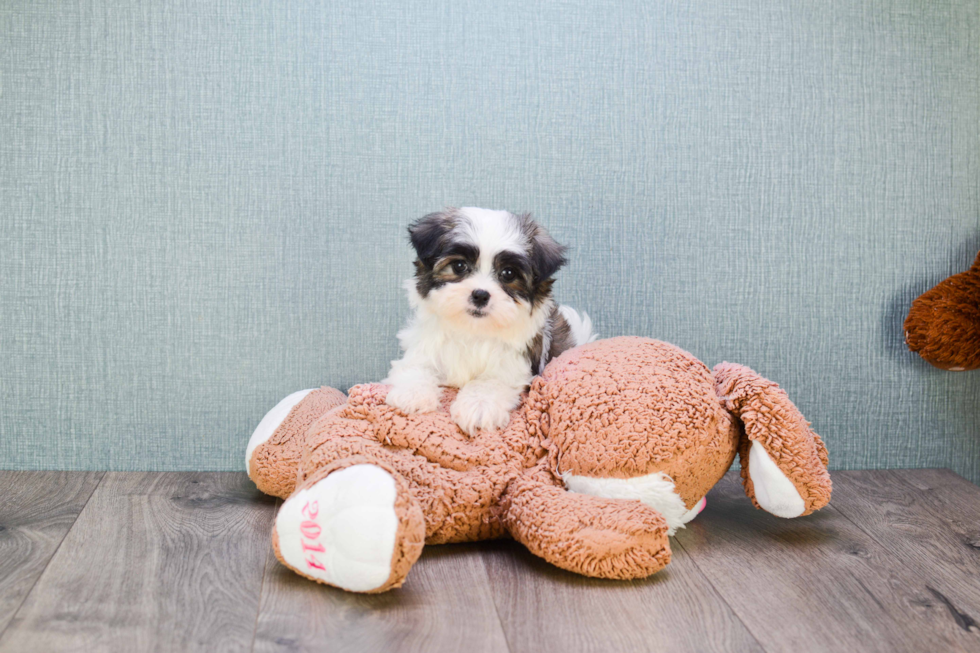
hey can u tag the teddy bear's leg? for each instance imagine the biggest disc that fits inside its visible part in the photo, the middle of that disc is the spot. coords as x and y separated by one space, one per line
274 450
458 505
353 524
784 463
590 535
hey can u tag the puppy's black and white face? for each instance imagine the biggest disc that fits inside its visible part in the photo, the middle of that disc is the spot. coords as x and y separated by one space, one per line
484 271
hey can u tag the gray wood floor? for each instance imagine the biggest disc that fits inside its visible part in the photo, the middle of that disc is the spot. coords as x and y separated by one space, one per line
182 562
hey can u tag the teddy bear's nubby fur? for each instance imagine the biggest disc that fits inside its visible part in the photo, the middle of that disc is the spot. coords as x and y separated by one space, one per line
943 325
614 447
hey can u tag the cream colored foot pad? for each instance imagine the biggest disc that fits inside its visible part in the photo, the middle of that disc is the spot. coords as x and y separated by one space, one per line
341 530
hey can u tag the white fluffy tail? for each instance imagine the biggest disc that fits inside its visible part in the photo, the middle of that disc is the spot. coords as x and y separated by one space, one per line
581 325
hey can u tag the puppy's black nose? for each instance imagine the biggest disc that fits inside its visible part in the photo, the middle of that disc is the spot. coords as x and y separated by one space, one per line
480 298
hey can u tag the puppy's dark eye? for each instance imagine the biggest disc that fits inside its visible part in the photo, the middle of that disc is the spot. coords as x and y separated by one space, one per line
508 274
459 267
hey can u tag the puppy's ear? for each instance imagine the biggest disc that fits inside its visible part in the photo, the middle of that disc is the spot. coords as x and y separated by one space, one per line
428 234
547 256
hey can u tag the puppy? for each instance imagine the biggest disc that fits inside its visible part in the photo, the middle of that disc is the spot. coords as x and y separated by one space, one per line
484 320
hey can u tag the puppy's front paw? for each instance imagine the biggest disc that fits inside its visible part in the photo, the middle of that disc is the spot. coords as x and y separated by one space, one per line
474 410
411 399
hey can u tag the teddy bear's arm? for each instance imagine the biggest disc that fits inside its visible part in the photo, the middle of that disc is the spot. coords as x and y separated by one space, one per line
784 463
594 536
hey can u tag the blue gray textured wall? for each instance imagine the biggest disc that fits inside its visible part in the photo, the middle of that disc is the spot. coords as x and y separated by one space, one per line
203 203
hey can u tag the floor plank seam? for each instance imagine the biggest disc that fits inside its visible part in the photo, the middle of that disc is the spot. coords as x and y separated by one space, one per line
265 574
962 620
493 599
895 473
28 593
860 526
719 594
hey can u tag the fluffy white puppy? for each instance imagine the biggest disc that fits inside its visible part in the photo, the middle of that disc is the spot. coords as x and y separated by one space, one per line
484 320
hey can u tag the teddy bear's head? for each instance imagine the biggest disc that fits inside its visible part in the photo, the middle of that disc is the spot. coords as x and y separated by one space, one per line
943 325
632 417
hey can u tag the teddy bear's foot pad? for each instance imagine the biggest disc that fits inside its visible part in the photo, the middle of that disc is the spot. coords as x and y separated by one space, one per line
271 422
341 530
774 492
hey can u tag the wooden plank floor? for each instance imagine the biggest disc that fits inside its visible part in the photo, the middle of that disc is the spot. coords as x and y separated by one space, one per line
182 562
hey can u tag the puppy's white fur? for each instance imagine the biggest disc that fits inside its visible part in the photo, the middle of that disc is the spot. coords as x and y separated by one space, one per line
486 359
446 345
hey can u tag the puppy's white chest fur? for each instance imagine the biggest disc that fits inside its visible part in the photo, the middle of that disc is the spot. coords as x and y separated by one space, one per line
457 357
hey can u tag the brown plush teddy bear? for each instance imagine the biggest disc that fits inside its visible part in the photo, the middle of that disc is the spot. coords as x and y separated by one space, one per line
613 448
943 325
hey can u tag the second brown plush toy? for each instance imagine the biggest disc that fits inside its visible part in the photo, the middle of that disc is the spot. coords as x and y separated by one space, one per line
943 325
613 448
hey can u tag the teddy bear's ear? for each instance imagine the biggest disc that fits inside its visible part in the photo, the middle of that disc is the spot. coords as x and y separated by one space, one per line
547 255
429 233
